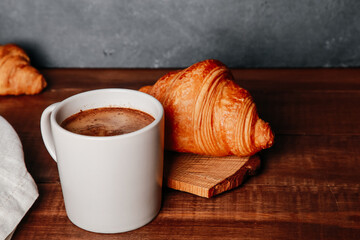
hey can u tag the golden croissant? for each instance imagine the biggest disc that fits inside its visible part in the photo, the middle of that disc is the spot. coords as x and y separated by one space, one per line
207 113
16 75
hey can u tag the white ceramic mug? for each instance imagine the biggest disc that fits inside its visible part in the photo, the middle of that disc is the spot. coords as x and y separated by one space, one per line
110 184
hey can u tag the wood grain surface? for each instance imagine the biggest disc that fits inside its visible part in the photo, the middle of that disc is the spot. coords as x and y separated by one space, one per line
207 176
308 186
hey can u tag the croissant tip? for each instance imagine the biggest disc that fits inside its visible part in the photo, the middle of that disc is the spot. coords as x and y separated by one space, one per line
264 137
145 89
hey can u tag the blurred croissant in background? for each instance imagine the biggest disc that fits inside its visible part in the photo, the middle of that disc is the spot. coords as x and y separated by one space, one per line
207 113
16 75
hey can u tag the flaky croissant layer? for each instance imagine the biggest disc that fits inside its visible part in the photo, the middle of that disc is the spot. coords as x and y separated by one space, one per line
17 76
207 113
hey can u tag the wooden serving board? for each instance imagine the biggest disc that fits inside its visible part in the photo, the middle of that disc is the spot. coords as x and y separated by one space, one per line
207 176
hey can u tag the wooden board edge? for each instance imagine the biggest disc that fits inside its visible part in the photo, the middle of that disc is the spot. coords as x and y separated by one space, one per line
235 180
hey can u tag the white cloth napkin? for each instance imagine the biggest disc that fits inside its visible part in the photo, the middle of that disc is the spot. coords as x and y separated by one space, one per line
18 190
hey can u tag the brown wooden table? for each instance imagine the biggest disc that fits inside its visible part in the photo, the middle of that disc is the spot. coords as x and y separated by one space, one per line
308 186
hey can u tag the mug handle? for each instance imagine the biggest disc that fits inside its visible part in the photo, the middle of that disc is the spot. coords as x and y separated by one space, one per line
46 132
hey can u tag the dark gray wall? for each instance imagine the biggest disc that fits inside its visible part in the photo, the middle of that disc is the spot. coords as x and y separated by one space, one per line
177 33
